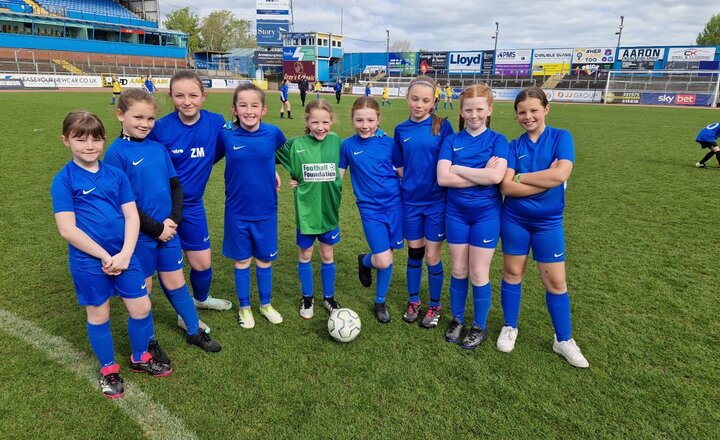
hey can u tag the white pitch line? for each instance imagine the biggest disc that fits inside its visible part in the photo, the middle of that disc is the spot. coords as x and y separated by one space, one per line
154 419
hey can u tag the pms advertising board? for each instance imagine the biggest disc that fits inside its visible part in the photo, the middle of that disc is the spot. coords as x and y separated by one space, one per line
513 62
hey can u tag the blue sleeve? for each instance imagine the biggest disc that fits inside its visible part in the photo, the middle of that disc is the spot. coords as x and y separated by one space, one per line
112 158
343 163
397 157
126 193
61 193
565 147
220 146
511 158
279 138
398 147
446 129
500 149
168 163
446 149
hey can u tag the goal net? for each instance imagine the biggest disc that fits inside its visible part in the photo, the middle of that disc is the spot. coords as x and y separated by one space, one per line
663 87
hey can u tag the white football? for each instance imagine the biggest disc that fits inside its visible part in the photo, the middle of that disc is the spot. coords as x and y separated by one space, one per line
344 325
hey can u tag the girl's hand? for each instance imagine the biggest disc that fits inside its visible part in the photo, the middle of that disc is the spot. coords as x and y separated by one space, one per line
278 182
107 262
117 264
494 162
293 183
168 231
170 222
554 164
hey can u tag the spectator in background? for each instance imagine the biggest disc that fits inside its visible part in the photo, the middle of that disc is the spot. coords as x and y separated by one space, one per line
338 90
149 85
303 86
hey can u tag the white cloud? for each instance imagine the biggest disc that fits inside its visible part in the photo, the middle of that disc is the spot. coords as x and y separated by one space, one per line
461 25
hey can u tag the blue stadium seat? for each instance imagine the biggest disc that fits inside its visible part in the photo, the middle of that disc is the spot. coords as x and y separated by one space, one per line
102 10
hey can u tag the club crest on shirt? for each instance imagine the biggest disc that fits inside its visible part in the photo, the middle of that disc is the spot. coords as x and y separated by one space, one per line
319 172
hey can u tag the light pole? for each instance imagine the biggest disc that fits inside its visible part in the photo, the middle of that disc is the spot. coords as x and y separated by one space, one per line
495 37
619 32
387 53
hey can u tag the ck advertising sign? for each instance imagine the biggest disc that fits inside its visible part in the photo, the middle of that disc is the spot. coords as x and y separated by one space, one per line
460 62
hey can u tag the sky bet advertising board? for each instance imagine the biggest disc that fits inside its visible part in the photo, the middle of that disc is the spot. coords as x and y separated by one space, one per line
465 62
514 62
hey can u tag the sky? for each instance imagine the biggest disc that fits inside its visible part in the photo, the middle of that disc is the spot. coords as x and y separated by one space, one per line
470 25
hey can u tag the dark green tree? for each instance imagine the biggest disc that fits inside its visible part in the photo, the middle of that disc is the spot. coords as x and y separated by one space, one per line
221 31
710 36
184 20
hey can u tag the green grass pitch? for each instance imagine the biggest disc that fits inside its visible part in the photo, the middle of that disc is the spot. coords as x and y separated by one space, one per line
642 271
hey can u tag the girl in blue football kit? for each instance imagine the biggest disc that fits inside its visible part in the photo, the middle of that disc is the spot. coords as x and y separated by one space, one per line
159 201
285 99
189 134
707 138
539 164
251 202
472 163
95 212
419 139
374 159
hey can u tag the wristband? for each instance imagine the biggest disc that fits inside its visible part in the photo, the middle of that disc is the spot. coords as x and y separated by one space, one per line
517 178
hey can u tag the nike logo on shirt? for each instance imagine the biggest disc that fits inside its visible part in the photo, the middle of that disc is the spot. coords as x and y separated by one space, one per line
299 151
355 153
558 255
88 191
138 162
273 254
522 156
237 148
407 139
488 241
458 149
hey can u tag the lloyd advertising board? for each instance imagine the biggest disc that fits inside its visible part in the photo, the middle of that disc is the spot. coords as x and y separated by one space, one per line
465 62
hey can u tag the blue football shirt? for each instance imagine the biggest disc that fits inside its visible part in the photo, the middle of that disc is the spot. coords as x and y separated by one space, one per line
546 208
474 152
192 149
250 171
373 162
96 199
149 169
709 133
420 150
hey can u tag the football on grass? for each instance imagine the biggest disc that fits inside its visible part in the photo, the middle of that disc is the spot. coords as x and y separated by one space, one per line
344 325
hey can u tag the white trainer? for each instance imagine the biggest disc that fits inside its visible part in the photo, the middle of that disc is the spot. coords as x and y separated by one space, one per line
571 352
307 307
271 314
213 304
245 318
204 327
506 340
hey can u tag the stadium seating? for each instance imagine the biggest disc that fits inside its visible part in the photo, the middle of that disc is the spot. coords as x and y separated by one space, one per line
81 9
